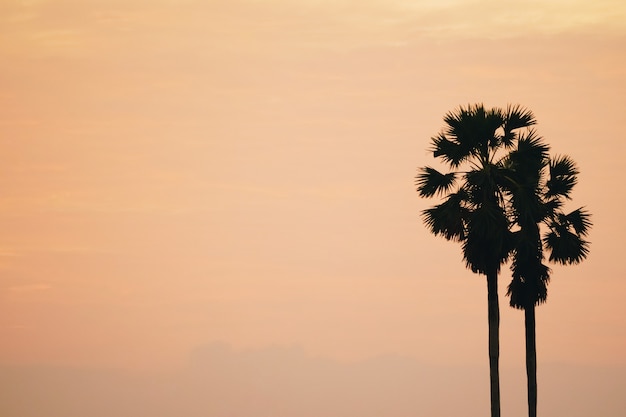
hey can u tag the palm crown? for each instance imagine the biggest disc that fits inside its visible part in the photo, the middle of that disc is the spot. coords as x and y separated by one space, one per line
538 189
474 210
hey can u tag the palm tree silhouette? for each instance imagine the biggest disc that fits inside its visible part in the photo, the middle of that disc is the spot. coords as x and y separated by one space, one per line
538 189
474 210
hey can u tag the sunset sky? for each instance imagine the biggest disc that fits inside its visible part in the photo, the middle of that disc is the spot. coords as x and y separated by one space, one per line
181 177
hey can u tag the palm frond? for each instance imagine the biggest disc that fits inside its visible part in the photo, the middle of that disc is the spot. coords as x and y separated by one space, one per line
563 165
474 128
451 152
515 117
580 220
516 291
551 207
566 247
531 146
494 120
458 123
563 172
448 219
431 182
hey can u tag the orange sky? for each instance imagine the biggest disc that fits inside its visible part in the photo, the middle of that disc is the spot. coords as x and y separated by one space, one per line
178 173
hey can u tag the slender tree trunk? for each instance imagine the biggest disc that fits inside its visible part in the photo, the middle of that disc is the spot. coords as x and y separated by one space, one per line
494 342
531 360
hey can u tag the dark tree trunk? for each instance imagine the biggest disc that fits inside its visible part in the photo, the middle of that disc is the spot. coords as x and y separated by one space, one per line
531 360
494 342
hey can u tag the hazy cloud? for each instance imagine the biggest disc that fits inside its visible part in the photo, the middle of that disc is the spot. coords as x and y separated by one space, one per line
286 382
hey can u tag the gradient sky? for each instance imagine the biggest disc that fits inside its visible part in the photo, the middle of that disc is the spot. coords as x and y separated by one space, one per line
180 173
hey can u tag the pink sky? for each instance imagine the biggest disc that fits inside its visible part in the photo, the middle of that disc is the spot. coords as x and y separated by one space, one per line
180 173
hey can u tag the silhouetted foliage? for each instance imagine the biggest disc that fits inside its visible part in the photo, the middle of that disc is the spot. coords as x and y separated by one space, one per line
537 190
474 211
501 187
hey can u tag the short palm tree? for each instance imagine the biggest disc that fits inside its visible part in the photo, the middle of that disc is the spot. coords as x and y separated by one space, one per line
474 210
538 189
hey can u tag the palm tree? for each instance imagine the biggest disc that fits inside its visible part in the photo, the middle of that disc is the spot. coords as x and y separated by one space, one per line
538 189
473 210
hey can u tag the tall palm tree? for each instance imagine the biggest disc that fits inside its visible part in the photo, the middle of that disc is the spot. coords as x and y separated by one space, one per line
473 210
538 189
